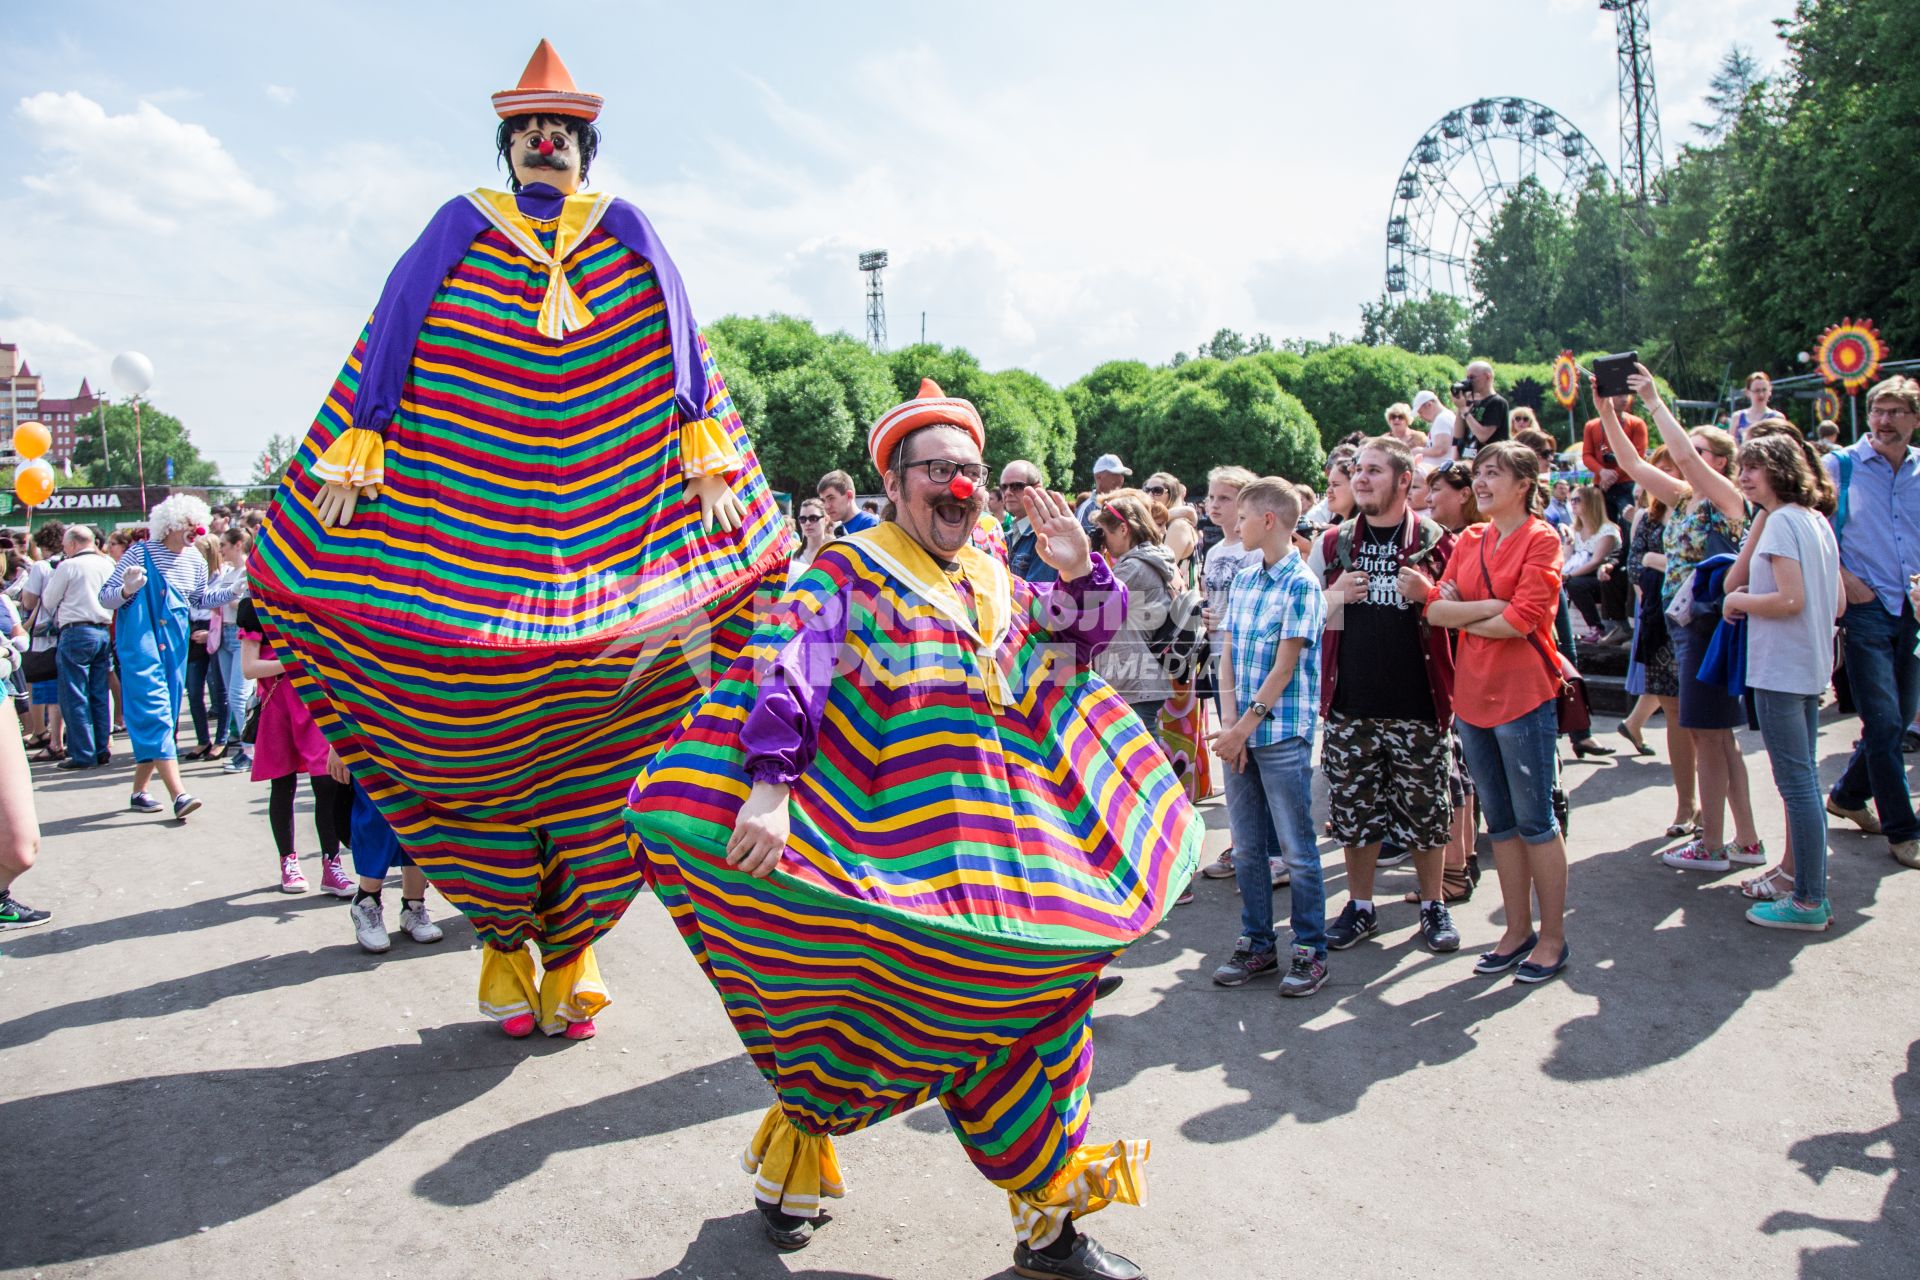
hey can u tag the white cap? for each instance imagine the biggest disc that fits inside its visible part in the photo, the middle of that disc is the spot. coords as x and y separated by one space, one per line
1421 399
1110 463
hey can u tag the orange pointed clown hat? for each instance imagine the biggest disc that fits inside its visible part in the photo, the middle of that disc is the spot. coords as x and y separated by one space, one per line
545 89
931 406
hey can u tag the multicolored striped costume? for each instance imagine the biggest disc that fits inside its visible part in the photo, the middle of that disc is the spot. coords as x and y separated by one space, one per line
499 641
978 825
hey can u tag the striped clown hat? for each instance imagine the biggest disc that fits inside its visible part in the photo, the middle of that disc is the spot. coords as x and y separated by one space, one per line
931 406
545 89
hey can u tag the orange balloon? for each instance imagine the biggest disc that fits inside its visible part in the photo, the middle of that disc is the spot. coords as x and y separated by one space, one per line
31 439
33 483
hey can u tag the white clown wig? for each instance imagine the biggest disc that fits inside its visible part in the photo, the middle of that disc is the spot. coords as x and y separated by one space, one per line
181 511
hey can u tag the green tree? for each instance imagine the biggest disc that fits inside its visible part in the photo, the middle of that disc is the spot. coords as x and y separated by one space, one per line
1435 325
1730 92
1348 388
1515 265
162 437
1106 405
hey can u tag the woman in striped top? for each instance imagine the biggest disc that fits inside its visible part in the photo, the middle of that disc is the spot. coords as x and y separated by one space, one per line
152 588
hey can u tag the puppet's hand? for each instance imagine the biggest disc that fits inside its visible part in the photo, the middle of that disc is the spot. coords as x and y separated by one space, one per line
720 509
336 502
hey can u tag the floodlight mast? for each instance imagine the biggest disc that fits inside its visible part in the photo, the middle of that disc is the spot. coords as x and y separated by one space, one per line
1642 160
872 262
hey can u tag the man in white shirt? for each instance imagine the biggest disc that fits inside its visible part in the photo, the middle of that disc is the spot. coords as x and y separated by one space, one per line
1440 428
84 651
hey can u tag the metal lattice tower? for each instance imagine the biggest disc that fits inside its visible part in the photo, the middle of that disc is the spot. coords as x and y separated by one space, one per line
1642 163
872 262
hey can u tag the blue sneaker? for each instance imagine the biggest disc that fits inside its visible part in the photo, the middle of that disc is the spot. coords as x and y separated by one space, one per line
143 803
1354 925
1785 913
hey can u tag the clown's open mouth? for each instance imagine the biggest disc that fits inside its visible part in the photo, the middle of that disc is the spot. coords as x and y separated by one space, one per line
952 517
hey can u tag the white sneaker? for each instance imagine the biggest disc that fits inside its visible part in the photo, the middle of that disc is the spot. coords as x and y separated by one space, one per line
417 924
370 925
1277 868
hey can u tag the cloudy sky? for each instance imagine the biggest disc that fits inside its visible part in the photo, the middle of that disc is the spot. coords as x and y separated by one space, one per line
225 186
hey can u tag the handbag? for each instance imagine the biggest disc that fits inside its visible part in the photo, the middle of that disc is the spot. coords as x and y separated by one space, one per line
1571 708
37 666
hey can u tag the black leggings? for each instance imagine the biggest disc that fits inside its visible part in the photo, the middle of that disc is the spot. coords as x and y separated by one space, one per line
332 810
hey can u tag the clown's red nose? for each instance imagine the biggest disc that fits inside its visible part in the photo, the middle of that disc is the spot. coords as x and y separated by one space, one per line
960 487
546 146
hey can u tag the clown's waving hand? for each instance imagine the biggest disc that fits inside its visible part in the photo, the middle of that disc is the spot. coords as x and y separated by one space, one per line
524 530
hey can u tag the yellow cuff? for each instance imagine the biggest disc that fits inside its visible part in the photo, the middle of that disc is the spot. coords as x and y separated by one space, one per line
357 457
1092 1179
507 988
792 1170
571 993
705 449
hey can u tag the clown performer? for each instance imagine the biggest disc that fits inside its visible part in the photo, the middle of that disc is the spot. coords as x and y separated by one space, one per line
151 590
903 835
523 534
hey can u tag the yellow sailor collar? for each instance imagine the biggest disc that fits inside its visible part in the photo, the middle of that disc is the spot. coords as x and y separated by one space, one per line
561 310
890 547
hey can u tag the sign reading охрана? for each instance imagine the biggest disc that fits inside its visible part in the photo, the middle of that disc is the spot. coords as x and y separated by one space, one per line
78 500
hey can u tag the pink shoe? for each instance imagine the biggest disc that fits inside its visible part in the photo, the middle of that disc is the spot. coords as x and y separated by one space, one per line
519 1026
292 878
582 1030
1696 856
333 878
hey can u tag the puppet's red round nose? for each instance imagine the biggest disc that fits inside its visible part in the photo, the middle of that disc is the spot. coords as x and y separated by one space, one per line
546 146
960 487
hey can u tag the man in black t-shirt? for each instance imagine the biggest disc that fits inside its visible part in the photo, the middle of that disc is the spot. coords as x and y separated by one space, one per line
1481 413
1387 691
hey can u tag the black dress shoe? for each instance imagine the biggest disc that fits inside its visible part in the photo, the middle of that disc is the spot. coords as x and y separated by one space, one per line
1107 985
1085 1261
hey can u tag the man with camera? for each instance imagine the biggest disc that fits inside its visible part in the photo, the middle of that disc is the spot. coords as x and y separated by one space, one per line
1481 412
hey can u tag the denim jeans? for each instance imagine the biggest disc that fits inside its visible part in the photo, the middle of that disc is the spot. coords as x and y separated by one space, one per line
1790 726
199 664
1885 675
1270 807
237 685
85 658
1514 767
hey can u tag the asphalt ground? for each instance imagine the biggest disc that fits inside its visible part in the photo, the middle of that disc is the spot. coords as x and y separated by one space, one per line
202 1076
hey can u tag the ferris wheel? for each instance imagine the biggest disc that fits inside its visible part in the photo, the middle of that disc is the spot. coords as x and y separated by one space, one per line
1459 175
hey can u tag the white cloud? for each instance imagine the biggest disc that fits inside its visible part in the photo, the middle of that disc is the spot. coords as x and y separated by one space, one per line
142 169
58 354
281 94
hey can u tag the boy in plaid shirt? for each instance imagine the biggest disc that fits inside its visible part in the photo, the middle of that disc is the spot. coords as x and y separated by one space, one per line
1270 697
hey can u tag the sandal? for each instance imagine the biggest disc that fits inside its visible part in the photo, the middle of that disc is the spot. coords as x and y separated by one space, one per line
1679 829
42 757
1769 886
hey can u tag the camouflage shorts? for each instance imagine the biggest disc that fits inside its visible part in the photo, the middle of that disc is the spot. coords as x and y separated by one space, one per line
1388 780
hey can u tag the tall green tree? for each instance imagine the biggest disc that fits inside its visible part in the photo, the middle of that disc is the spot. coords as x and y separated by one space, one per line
162 437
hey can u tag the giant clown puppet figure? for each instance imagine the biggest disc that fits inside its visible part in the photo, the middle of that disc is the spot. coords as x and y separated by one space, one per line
524 530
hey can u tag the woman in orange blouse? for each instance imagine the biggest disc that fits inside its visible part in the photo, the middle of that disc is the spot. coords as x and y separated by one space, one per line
1501 591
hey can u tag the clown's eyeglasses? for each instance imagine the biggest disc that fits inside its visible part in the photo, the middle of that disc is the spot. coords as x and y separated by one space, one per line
943 470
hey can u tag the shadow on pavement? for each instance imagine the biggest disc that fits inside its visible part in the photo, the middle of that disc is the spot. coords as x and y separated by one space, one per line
489 1165
200 990
734 1246
261 900
121 1166
1885 1246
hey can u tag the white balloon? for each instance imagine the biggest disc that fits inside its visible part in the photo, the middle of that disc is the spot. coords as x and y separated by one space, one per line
132 373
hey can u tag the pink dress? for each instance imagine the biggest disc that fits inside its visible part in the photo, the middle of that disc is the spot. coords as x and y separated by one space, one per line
286 739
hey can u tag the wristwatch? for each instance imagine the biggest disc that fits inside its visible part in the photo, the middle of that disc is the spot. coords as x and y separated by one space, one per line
1259 709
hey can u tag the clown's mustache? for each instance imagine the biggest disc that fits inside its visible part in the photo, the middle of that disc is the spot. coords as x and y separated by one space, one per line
534 160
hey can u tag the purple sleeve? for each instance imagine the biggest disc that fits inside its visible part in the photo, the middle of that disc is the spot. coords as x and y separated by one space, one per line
1088 611
781 733
625 223
403 309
